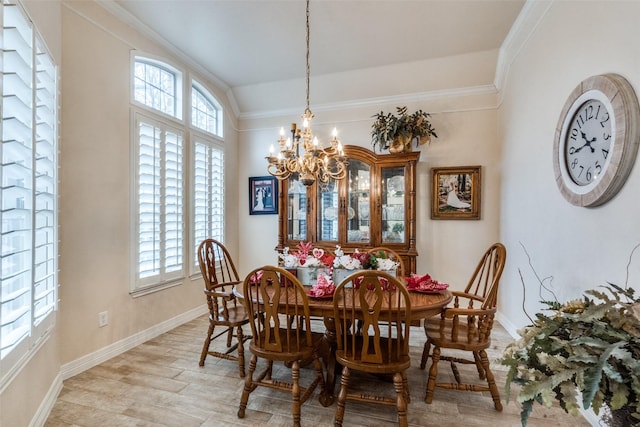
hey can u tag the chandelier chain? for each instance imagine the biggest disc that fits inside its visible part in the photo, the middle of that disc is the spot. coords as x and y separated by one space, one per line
308 70
314 163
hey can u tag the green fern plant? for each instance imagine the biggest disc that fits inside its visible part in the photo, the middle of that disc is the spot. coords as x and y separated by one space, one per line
591 346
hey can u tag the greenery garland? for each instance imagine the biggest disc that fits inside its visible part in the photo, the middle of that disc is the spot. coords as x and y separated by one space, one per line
589 345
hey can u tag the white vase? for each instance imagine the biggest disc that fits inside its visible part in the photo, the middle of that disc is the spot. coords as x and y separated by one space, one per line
339 274
308 276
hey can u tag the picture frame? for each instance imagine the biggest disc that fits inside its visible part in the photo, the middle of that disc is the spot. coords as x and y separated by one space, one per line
455 192
263 195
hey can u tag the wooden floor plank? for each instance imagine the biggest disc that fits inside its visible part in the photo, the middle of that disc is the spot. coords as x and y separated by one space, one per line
159 383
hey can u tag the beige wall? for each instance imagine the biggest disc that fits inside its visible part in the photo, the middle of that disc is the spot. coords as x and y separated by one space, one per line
580 248
510 135
466 123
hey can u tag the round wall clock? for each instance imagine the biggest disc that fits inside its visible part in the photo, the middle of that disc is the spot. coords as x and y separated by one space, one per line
596 140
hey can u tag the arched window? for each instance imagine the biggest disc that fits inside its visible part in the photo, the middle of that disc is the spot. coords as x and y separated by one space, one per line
158 86
206 114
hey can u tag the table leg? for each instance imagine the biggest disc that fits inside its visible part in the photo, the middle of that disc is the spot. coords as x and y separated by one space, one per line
327 351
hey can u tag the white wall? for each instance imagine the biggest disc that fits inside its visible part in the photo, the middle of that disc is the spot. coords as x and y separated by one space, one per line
579 248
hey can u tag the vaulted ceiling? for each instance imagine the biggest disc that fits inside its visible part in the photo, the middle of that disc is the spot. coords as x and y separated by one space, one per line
248 42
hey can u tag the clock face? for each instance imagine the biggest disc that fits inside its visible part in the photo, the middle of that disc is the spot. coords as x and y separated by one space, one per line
596 140
588 142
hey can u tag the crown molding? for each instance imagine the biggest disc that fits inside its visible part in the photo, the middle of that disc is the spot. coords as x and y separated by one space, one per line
523 28
377 102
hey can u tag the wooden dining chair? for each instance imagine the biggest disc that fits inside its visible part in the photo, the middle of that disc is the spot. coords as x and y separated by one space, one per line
279 311
466 325
383 252
225 311
382 345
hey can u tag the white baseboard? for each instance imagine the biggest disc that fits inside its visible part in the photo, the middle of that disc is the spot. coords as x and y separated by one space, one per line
88 361
41 415
507 325
70 369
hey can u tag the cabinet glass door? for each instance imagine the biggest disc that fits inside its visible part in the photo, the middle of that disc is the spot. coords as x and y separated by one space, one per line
328 211
393 205
359 202
297 210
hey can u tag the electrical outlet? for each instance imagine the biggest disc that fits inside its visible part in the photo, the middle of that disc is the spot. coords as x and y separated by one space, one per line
103 318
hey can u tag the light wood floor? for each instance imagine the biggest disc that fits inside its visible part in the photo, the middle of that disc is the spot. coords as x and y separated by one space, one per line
159 383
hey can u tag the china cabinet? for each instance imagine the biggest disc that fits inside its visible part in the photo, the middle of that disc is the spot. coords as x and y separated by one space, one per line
374 205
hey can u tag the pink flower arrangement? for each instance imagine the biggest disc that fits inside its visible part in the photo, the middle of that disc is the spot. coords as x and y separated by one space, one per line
306 256
323 288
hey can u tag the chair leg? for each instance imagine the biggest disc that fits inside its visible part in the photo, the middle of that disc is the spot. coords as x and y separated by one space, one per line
229 337
433 374
401 403
248 386
207 342
425 353
295 393
342 397
405 384
240 337
481 371
493 388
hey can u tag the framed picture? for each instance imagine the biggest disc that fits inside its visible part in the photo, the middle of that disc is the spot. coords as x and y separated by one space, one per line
455 192
263 195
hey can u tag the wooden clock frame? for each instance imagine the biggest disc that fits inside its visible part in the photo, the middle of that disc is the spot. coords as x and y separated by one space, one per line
617 92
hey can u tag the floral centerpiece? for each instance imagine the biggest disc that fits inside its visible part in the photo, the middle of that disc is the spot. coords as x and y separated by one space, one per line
590 346
309 262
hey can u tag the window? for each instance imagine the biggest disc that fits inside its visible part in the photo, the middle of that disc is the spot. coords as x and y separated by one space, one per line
208 194
205 114
158 86
28 279
161 230
160 203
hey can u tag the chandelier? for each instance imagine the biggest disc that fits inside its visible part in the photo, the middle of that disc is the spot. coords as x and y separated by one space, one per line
316 162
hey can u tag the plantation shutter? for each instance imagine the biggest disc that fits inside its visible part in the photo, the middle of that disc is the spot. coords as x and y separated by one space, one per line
28 249
45 243
208 194
17 178
160 203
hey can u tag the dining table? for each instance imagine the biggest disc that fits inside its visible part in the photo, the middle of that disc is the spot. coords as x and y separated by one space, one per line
423 305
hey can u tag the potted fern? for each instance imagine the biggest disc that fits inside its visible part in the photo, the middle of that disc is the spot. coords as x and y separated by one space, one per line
397 132
590 345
